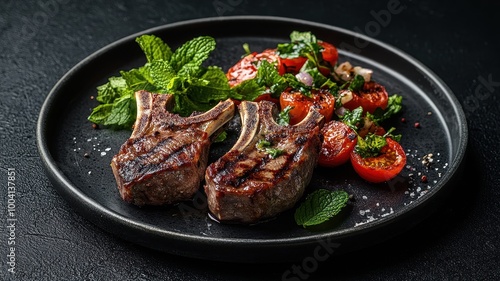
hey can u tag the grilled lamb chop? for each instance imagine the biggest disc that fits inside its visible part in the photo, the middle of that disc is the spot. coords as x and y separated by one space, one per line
165 158
248 183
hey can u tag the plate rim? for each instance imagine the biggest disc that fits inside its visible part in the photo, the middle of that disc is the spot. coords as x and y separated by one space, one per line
74 195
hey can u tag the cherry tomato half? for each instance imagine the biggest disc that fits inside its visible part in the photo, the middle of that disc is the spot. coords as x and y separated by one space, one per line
267 97
339 141
246 68
370 97
383 167
293 65
370 127
329 54
321 99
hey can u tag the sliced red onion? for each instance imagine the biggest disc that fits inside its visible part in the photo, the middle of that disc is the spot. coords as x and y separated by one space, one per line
305 78
340 111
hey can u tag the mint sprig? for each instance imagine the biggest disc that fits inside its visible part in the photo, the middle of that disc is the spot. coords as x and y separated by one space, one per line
180 72
320 206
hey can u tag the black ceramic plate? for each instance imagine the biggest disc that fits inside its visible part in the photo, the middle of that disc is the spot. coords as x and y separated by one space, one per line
377 211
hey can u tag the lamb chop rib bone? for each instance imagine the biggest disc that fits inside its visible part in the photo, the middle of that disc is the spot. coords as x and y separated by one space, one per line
165 158
246 184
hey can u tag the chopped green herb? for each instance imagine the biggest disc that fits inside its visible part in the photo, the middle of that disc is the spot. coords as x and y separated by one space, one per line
220 137
301 43
357 83
284 116
320 206
353 118
371 145
264 145
246 47
394 106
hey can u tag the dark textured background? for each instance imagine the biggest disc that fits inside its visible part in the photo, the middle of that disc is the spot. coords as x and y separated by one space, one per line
41 40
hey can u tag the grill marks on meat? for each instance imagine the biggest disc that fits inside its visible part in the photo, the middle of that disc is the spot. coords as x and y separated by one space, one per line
247 184
165 158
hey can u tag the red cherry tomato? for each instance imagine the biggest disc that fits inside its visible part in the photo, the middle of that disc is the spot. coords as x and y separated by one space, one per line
246 68
293 65
370 97
381 168
339 141
329 53
371 127
267 97
321 99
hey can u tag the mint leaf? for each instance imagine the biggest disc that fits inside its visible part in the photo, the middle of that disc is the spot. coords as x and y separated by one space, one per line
181 73
161 75
210 87
138 79
320 206
248 90
154 48
184 105
112 90
100 113
123 112
187 58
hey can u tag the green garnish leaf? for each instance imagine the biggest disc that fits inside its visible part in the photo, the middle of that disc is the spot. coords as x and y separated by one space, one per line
154 48
370 146
394 106
139 79
112 90
353 118
320 206
220 137
246 47
264 145
190 56
284 116
163 76
100 113
181 73
389 134
357 83
302 44
248 90
123 112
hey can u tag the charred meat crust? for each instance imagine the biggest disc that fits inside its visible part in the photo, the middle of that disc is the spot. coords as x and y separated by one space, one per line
247 184
165 158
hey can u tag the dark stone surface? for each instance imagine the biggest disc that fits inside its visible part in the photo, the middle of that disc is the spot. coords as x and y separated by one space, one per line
41 40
